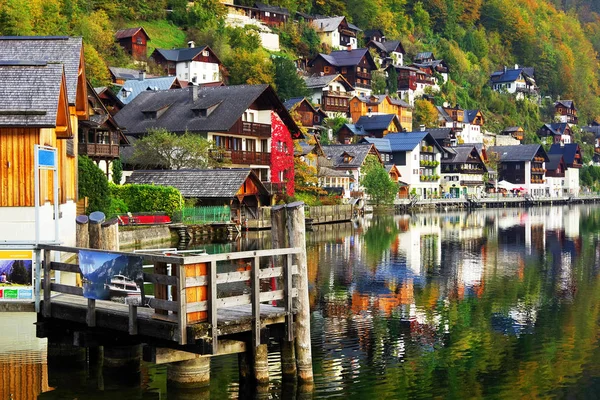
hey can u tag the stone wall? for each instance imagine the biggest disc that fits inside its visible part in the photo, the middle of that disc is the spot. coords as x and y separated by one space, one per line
142 236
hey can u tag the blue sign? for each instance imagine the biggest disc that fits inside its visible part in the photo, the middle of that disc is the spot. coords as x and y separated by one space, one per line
25 294
46 158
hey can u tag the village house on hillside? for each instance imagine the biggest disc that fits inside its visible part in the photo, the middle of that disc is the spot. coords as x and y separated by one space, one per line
369 125
389 52
413 82
522 167
119 75
331 93
310 118
573 159
134 41
336 32
237 188
555 133
191 64
417 156
519 81
566 111
42 106
381 104
462 171
248 121
354 65
426 62
515 132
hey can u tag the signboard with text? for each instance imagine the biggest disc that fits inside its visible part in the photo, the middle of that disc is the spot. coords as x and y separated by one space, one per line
16 275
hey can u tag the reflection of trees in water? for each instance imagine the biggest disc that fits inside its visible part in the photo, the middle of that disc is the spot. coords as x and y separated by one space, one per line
379 238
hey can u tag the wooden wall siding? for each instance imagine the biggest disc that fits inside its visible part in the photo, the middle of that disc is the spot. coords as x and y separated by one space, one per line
16 168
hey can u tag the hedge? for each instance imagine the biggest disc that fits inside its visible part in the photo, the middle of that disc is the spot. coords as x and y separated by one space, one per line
149 198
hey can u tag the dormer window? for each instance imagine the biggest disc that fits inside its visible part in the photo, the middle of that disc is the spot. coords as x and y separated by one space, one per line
205 53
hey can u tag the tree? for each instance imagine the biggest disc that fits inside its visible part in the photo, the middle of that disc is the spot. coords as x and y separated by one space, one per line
378 83
163 149
379 186
92 183
392 81
425 113
249 67
117 171
287 81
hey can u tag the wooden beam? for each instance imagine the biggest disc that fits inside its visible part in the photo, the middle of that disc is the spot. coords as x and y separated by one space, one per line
57 287
59 266
90 317
163 355
162 279
150 258
287 288
163 305
47 284
182 300
133 327
256 301
212 305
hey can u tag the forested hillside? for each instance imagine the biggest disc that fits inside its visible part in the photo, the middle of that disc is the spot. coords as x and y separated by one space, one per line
559 38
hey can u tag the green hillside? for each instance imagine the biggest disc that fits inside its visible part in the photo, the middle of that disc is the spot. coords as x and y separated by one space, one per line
474 37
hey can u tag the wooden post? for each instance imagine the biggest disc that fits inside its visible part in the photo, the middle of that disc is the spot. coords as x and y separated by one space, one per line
110 235
95 229
47 285
82 238
261 363
297 237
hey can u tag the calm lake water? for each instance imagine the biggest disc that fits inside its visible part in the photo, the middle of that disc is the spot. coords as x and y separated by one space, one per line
499 304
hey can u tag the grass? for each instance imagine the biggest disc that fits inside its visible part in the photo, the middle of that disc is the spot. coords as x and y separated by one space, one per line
163 34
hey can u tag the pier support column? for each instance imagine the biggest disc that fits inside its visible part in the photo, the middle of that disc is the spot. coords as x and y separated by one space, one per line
122 363
288 361
190 373
261 364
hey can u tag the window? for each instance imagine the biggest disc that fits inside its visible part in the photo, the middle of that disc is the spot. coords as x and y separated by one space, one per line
139 40
267 14
205 53
327 69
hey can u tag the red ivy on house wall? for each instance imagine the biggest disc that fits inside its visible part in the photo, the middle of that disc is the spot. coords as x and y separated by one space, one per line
282 154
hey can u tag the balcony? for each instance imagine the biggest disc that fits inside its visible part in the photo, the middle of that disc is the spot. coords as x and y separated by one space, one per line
471 182
251 129
362 85
248 157
99 150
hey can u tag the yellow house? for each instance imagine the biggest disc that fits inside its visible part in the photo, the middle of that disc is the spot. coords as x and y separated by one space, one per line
381 104
43 96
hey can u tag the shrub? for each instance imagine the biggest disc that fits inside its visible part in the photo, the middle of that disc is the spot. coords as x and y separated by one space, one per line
92 183
149 198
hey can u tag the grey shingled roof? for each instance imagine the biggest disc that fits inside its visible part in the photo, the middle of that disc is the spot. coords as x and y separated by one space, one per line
335 153
198 183
179 55
553 161
392 45
440 134
29 94
126 73
290 103
125 33
377 122
273 9
462 154
345 58
230 102
327 24
522 152
136 86
52 49
566 103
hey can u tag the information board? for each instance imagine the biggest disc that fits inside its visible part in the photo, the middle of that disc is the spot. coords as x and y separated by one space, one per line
16 275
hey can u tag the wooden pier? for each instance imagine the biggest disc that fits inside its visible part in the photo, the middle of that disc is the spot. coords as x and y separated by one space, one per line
200 306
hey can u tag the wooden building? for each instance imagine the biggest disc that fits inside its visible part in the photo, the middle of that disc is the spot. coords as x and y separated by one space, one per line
134 41
331 93
238 188
354 65
566 111
303 112
43 98
381 104
271 15
556 133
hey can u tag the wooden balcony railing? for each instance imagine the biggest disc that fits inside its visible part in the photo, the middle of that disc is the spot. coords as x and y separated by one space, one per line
251 129
99 150
249 157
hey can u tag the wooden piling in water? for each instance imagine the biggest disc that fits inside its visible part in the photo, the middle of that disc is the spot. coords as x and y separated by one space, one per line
293 215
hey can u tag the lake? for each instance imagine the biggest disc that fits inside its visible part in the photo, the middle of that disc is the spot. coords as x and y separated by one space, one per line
501 304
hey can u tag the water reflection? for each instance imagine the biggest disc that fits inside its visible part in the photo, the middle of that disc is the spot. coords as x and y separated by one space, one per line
501 303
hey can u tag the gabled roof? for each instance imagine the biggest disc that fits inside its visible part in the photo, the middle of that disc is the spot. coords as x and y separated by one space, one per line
377 122
522 152
566 103
293 102
29 93
328 24
231 102
443 115
461 155
469 115
321 81
592 129
424 55
133 87
553 161
373 32
347 58
512 129
381 144
273 9
393 46
356 130
182 54
125 33
358 152
568 151
126 73
199 183
556 128
510 75
440 134
408 141
51 49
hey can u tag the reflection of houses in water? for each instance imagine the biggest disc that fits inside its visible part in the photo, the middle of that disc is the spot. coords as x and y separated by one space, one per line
420 245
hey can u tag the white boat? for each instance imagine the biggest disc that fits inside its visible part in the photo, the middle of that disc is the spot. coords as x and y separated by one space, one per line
122 286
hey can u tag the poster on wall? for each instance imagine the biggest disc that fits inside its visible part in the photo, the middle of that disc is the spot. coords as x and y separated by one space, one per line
110 276
16 275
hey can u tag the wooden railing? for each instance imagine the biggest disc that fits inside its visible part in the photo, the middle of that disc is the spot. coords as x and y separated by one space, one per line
251 129
249 157
97 149
178 309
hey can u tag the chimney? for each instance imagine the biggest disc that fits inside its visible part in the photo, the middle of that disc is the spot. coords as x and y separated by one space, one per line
191 44
349 47
516 66
505 69
422 128
369 112
142 75
193 92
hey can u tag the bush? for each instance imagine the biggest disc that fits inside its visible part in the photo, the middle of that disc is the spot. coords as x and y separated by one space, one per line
92 183
149 198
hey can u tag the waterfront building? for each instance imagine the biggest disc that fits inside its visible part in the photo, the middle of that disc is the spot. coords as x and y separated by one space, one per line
522 167
462 171
573 160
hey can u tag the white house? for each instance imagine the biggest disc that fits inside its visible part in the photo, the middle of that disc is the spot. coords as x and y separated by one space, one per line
519 81
193 64
336 32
